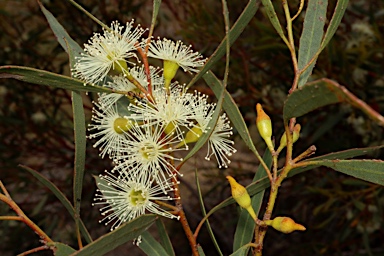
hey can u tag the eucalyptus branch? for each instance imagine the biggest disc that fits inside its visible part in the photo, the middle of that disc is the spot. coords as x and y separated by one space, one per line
310 151
299 11
6 198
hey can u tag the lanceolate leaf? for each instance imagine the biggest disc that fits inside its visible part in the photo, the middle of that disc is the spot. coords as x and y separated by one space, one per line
237 28
321 93
61 197
42 77
270 10
312 36
246 225
123 234
150 246
338 14
368 170
164 237
62 36
62 249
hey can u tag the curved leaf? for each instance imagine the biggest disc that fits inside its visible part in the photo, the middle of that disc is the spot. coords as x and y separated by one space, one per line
62 249
312 36
119 236
237 28
67 204
368 170
42 77
242 251
321 93
272 16
150 246
164 237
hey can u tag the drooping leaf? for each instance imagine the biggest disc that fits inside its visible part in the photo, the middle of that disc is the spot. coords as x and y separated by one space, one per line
119 236
321 93
150 246
42 77
67 204
310 40
164 237
237 28
62 249
246 225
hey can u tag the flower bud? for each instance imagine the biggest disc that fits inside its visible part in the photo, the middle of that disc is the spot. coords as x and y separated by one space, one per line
264 125
121 125
284 224
295 137
169 71
241 196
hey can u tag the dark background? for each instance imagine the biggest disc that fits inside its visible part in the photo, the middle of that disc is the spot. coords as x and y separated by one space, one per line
343 216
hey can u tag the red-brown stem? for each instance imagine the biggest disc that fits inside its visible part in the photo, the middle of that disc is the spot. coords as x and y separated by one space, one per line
144 57
24 218
37 249
183 219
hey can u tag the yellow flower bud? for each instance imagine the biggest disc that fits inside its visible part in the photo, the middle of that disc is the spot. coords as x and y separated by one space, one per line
295 137
169 72
285 225
241 196
264 125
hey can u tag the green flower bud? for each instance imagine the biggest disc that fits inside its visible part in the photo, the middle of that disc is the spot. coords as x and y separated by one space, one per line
295 137
169 72
264 125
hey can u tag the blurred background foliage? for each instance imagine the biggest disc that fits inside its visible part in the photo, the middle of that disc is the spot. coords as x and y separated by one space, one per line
343 216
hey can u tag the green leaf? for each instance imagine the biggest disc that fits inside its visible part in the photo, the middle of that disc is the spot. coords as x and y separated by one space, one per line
338 14
119 236
164 238
237 28
368 170
150 246
42 77
272 16
62 249
321 93
62 36
246 225
200 250
205 213
67 204
310 40
232 110
242 251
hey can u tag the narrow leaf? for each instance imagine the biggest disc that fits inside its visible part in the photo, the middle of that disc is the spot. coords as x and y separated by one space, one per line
210 231
338 14
62 249
164 237
42 77
232 110
368 170
62 36
246 225
237 28
119 236
150 246
200 250
67 204
272 16
321 93
310 40
242 251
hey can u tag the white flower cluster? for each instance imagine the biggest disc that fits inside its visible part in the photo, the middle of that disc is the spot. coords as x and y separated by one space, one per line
142 128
